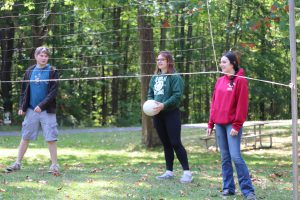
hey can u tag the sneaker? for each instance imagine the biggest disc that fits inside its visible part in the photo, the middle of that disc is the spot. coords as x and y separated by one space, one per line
227 192
186 178
251 196
164 176
54 168
13 167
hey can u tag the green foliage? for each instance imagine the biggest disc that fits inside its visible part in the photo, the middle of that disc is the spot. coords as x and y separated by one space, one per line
89 39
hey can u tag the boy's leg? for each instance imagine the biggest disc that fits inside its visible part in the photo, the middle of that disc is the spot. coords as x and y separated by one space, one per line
30 128
54 168
22 150
53 152
49 126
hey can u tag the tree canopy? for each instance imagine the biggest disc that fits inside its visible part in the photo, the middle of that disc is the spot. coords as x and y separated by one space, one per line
91 38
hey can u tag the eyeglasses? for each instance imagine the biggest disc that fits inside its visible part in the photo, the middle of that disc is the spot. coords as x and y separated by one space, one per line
160 60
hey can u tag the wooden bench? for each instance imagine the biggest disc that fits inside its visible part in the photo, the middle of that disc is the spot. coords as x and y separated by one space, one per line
207 138
255 133
257 138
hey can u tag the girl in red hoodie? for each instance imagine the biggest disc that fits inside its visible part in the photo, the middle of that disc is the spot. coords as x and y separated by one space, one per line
228 112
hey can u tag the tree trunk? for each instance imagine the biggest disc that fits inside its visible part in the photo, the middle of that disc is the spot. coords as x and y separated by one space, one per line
104 98
181 58
186 100
163 29
262 110
176 36
124 82
7 44
180 66
149 137
116 61
40 26
228 20
237 20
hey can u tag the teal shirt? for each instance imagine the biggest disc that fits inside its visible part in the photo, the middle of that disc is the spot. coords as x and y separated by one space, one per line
38 89
166 89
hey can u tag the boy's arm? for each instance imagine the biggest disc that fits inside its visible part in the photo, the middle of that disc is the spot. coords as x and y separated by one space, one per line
23 90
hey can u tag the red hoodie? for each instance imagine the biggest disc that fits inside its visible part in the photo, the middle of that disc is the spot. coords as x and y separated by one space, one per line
229 104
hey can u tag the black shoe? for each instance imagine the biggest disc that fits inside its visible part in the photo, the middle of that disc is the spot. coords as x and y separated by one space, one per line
227 192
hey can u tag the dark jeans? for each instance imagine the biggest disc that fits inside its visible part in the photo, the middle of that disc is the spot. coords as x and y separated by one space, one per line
168 126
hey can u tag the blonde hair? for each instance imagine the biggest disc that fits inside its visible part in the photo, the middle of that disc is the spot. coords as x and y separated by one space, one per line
40 50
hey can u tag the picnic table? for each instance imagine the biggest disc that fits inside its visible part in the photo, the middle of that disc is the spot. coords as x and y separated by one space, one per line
253 132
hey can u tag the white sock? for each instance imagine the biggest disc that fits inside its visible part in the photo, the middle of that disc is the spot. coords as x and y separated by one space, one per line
169 172
187 172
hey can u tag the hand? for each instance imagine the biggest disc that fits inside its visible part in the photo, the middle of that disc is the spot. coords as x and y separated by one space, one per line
37 109
159 107
20 112
233 132
209 132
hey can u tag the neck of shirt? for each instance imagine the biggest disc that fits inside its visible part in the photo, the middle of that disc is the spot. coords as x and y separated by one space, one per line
41 67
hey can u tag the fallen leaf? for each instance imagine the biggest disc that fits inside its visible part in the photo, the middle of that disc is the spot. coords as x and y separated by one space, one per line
144 178
56 174
137 183
59 188
96 170
182 193
90 180
28 179
273 176
278 174
43 182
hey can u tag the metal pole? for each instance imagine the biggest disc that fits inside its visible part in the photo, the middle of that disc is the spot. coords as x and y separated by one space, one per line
292 30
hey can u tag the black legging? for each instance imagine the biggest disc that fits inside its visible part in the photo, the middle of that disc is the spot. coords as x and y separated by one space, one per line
168 126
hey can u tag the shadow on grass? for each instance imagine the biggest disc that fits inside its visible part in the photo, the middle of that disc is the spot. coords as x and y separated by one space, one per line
117 166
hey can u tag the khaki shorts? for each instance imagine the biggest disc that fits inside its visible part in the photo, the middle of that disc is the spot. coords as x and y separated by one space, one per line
34 121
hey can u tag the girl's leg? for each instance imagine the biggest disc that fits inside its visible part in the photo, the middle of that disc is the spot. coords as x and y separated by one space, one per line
240 165
173 126
159 124
227 170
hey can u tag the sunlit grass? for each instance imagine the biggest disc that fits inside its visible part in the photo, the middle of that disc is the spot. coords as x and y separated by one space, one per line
117 166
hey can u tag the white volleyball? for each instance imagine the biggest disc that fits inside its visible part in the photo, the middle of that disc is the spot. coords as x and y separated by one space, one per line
149 106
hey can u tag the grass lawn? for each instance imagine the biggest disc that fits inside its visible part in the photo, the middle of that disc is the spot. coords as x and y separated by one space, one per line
9 128
117 166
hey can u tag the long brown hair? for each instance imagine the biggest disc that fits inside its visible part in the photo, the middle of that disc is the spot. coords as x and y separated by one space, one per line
234 59
170 62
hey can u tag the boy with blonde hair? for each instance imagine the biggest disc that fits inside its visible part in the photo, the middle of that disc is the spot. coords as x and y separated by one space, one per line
38 104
